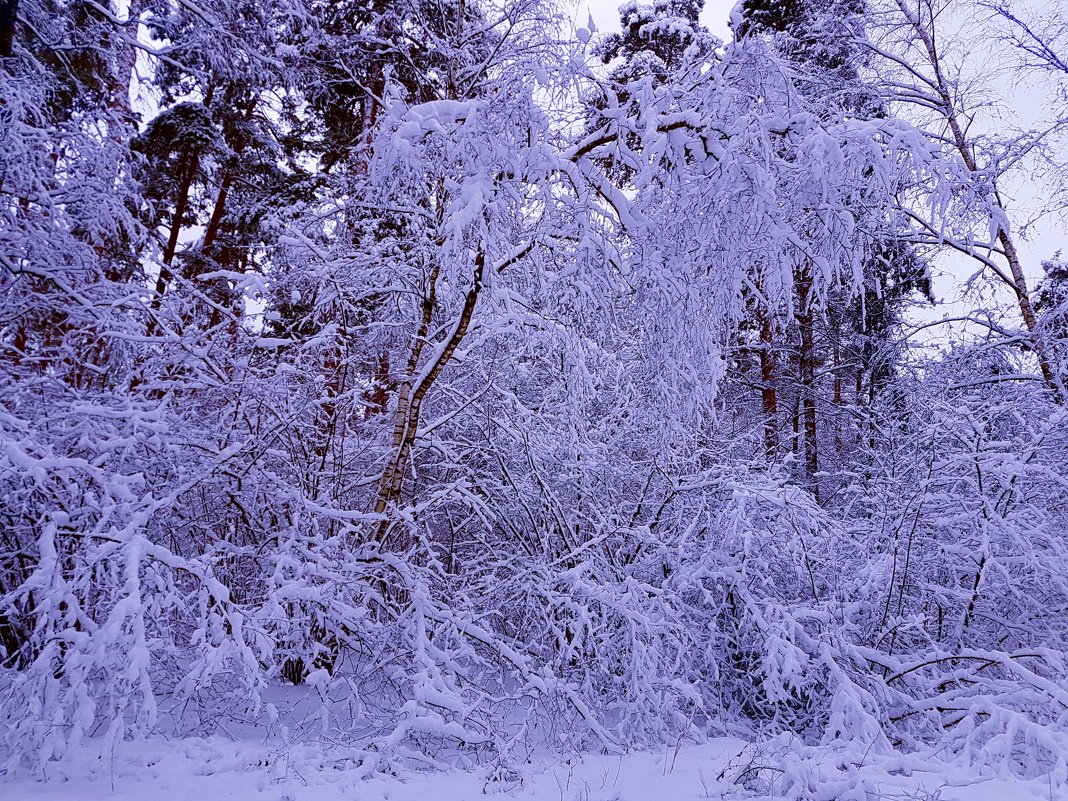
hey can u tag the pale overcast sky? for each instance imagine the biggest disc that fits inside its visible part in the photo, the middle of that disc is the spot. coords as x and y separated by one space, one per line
605 14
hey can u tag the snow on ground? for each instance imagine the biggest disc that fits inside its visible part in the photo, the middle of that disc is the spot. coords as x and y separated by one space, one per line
216 769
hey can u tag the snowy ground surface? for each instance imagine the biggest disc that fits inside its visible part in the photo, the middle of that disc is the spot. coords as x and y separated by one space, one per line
211 769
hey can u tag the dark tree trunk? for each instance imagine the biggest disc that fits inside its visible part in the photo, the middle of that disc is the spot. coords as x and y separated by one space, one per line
768 396
807 364
9 10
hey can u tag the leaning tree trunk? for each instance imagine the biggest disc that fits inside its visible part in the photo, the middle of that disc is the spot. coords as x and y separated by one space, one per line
413 390
945 94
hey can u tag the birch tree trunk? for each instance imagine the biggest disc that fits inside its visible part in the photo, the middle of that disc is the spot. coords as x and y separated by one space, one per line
414 388
938 94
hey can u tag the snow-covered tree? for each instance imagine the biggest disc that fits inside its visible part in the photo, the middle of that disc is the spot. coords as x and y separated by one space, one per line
400 360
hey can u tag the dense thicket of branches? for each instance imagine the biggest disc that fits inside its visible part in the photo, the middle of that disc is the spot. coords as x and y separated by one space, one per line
423 377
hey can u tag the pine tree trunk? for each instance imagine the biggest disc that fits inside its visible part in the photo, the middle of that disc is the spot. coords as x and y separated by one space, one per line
768 395
189 166
807 363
